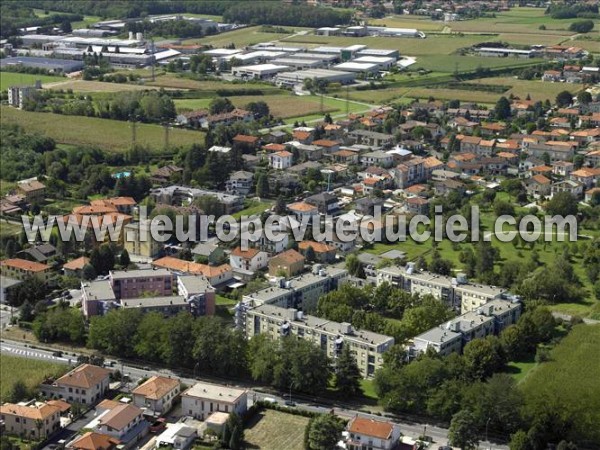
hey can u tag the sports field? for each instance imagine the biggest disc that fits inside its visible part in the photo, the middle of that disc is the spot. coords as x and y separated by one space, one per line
275 430
112 135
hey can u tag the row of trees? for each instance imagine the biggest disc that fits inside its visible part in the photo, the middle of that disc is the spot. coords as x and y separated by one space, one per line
271 13
180 28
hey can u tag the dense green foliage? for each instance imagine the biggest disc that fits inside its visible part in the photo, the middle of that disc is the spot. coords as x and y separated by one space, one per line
275 13
170 28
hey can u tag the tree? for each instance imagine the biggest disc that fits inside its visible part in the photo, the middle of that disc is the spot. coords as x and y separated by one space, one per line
262 186
124 259
66 27
309 254
259 109
562 204
520 441
463 431
26 311
18 392
354 266
347 374
502 208
89 273
584 97
11 248
582 26
324 432
220 105
502 108
564 99
483 357
233 432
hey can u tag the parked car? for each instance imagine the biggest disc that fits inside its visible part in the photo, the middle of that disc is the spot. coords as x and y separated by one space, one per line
158 426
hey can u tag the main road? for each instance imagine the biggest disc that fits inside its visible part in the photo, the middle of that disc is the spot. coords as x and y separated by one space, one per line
135 373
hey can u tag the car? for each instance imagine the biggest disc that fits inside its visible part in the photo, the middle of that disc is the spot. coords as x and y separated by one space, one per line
158 426
68 296
290 403
269 400
57 353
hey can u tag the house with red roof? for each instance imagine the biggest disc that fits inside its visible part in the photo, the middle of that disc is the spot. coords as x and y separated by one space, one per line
374 434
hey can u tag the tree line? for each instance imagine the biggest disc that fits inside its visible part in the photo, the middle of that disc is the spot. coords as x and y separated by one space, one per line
179 28
276 13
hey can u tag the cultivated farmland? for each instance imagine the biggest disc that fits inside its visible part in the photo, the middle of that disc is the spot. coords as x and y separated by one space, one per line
275 430
111 135
14 368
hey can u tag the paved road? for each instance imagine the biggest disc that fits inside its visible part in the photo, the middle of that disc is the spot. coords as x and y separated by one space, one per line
413 429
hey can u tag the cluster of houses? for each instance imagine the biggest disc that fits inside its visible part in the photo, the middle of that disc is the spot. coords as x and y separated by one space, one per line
572 74
159 412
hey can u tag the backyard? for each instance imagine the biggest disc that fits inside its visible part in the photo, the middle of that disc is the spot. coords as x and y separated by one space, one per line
276 430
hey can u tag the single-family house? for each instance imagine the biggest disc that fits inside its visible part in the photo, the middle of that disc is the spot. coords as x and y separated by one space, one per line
156 395
202 399
365 433
324 253
288 263
281 160
249 260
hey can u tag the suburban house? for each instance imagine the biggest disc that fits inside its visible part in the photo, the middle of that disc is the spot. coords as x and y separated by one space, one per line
124 422
239 183
324 253
288 263
177 436
281 160
166 174
86 384
22 269
74 267
587 176
93 441
417 205
32 189
249 260
156 395
124 205
39 253
208 253
538 186
364 433
574 188
23 419
325 202
202 399
301 209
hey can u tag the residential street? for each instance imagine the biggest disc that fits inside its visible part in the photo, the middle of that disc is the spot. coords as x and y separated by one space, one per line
439 435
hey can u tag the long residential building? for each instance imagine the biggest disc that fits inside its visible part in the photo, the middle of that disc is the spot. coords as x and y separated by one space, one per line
457 292
452 336
202 399
330 336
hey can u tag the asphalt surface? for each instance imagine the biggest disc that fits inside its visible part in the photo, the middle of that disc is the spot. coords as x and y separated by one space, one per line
413 429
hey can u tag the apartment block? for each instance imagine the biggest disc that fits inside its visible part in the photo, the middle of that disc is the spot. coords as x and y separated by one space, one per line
452 336
330 336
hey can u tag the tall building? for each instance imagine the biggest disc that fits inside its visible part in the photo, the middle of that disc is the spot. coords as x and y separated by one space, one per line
330 336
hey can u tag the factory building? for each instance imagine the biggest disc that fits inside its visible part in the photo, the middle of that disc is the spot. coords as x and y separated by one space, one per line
332 76
51 64
383 63
352 66
259 71
300 63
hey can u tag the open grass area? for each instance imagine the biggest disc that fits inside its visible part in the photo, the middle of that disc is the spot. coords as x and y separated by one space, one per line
240 38
452 63
537 89
8 79
520 369
253 207
281 106
95 86
9 229
112 135
275 430
32 372
570 379
368 388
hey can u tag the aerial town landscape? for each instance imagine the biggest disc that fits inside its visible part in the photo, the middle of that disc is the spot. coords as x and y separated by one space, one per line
299 224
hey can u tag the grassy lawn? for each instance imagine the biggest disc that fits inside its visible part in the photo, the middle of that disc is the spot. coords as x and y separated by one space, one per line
8 79
368 388
13 368
253 207
224 301
537 89
520 369
169 80
240 38
111 135
451 63
275 430
96 86
571 377
9 229
281 106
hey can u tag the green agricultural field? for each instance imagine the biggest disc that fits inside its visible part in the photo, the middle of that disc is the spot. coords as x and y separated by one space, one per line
9 229
281 106
86 86
537 89
8 79
570 378
240 38
275 430
33 372
452 63
111 135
